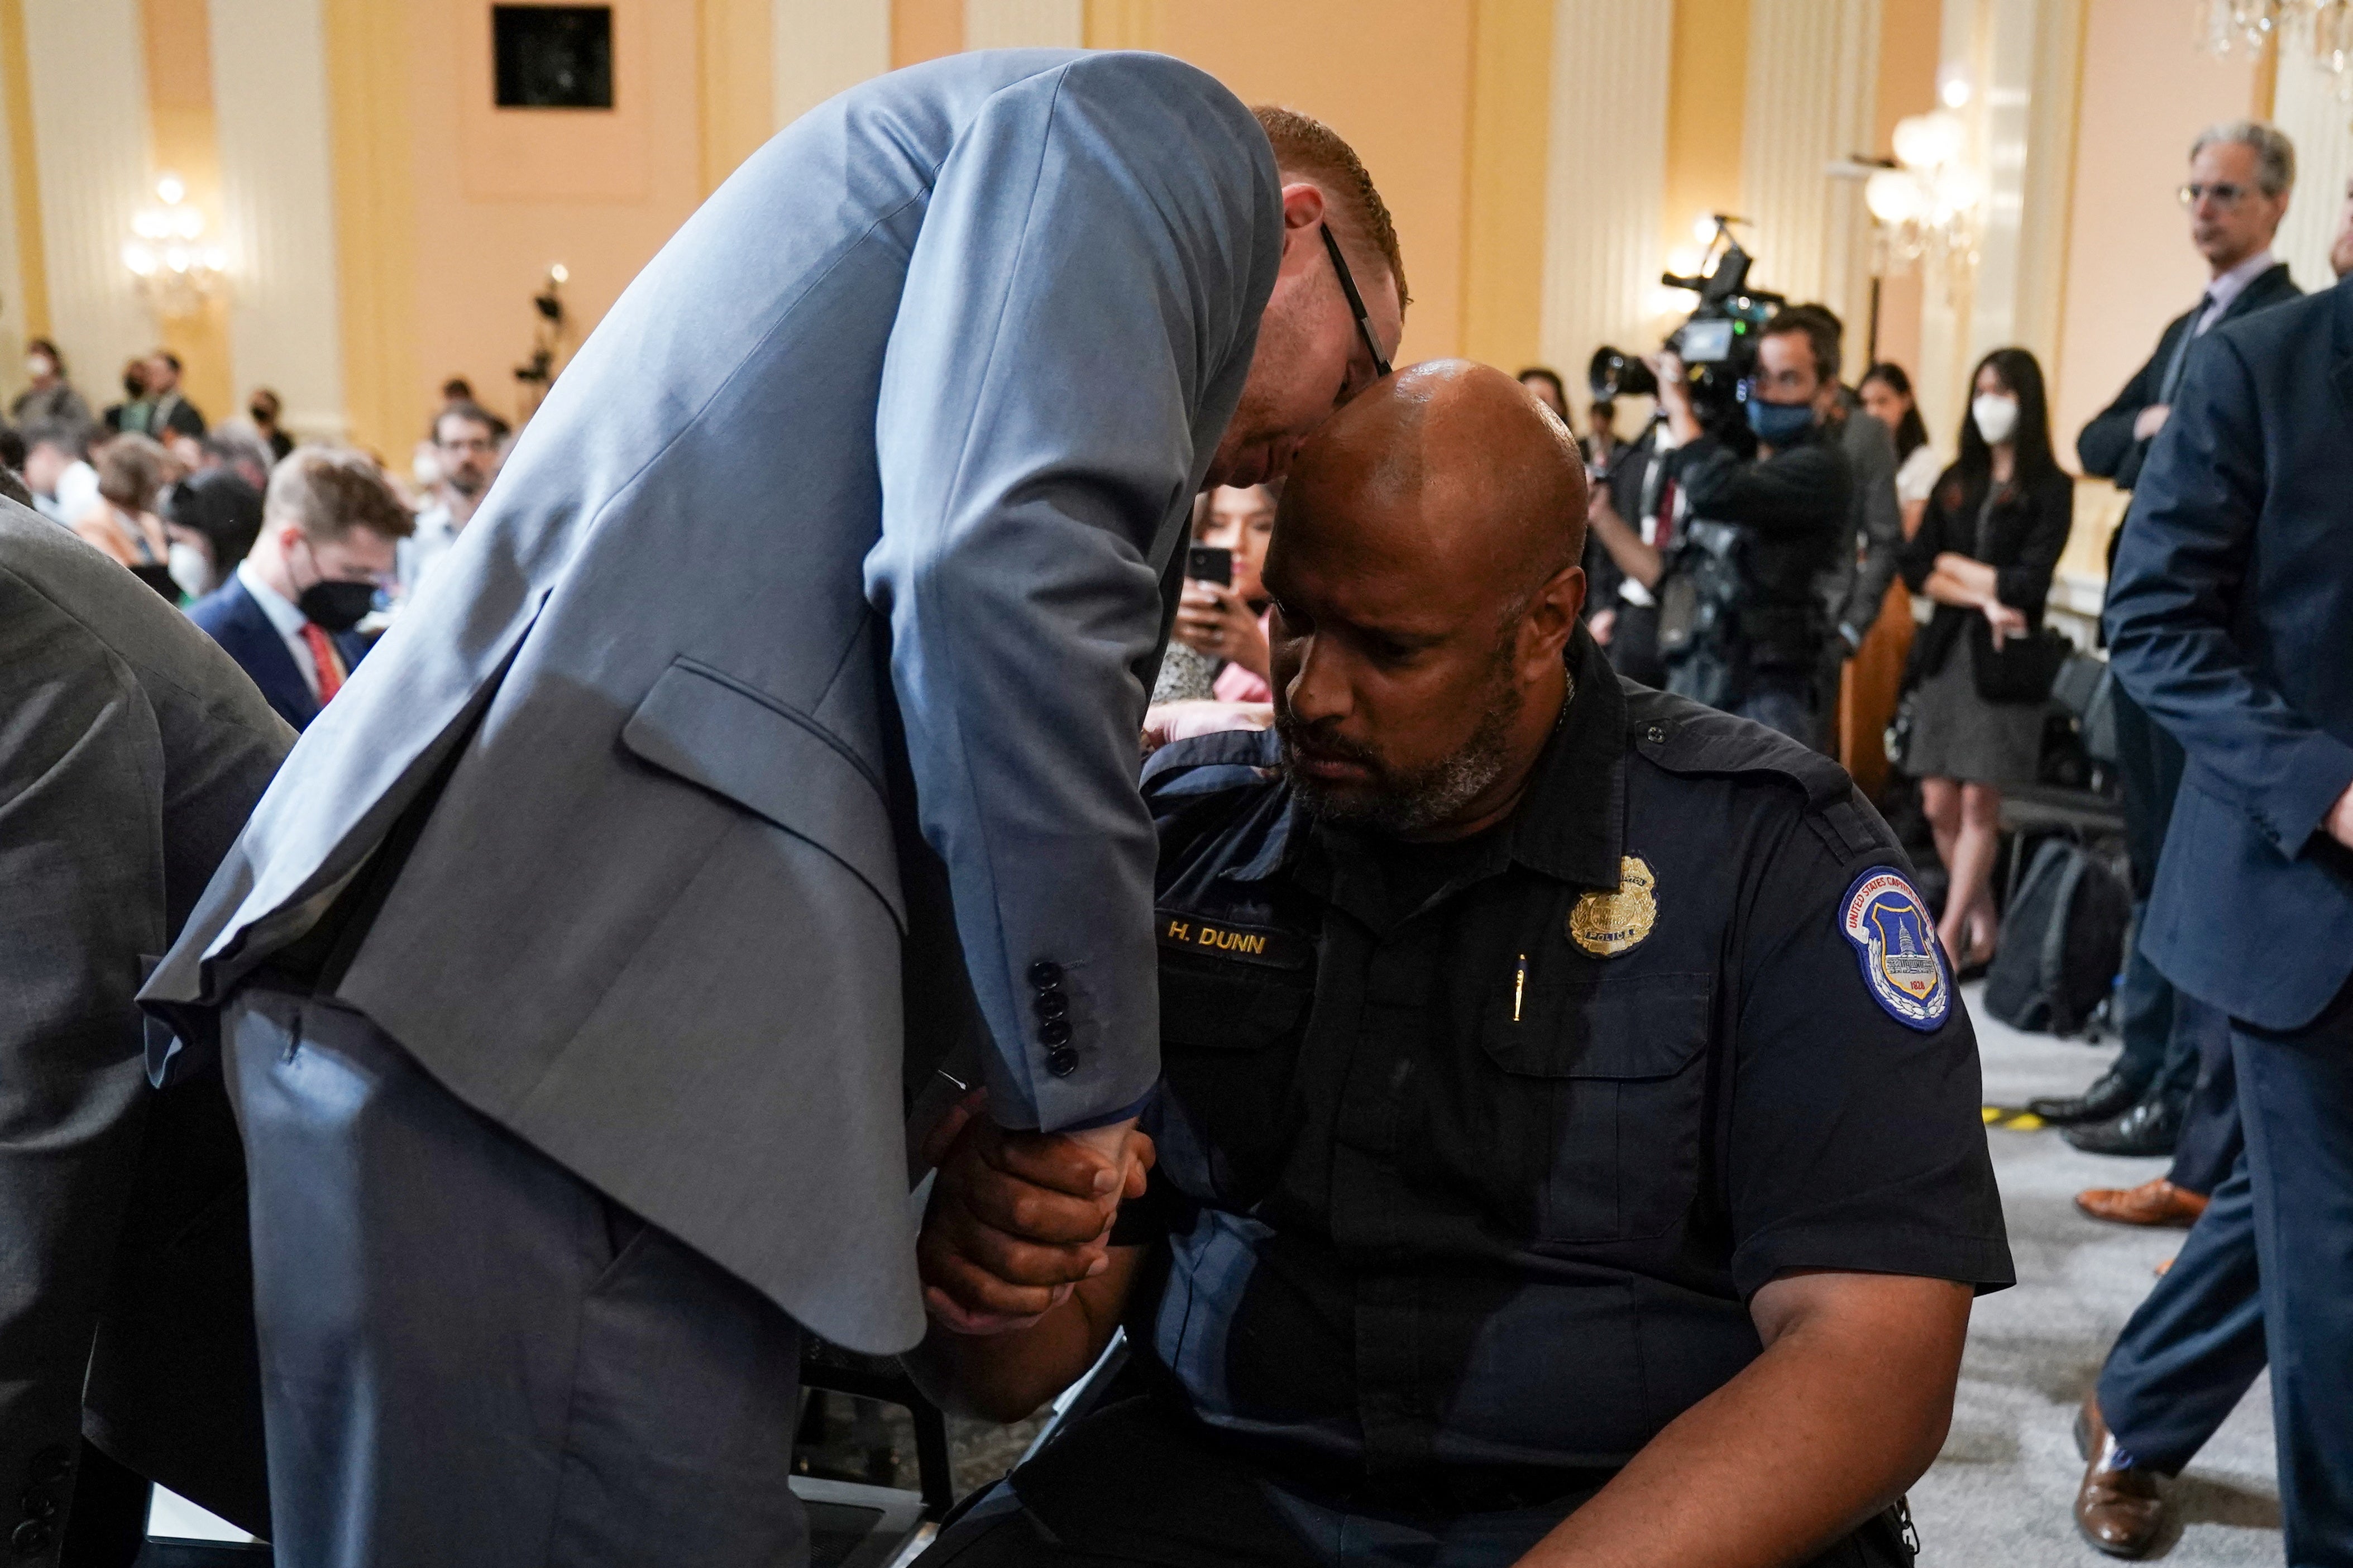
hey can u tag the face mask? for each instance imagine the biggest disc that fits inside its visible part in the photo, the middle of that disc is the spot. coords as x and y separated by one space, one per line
1997 417
192 569
336 606
261 415
1778 424
38 368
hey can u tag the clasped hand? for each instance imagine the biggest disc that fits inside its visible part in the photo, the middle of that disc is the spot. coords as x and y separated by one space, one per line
1017 1219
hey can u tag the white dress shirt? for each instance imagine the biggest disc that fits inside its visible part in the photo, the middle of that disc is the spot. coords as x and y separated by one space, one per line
2220 293
77 493
287 617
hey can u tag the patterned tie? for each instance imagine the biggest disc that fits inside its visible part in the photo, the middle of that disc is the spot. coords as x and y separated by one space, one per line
326 660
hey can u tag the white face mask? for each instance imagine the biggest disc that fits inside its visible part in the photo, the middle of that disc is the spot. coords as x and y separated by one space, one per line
192 569
1997 417
37 367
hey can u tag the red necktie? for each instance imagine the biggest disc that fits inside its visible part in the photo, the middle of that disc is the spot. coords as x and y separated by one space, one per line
326 660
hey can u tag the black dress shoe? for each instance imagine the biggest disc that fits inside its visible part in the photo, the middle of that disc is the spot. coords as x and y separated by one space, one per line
2109 1096
2149 1127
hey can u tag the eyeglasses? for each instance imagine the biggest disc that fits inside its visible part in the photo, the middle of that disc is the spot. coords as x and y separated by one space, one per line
2226 194
1356 302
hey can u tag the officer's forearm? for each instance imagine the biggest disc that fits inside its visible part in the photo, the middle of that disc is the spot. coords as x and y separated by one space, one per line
1845 1408
1004 1377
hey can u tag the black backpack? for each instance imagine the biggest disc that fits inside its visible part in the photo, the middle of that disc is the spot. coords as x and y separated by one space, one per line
2062 941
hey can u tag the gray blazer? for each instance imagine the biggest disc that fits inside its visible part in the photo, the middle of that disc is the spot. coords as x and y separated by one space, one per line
839 546
131 748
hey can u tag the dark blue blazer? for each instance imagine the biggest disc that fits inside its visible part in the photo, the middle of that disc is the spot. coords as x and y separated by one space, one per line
234 618
2230 619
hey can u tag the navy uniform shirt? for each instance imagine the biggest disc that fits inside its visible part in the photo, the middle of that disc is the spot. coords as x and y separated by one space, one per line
1472 1155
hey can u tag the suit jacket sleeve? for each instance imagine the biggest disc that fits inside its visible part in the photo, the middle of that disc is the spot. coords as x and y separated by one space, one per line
1882 516
2181 570
1079 309
2107 448
2025 582
1798 492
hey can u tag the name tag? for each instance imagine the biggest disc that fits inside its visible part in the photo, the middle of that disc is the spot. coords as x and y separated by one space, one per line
1223 939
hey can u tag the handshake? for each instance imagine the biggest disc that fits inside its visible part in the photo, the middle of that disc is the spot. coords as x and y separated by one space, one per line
1017 1220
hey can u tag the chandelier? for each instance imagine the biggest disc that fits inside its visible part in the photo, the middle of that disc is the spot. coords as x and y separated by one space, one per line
174 271
2323 27
1924 205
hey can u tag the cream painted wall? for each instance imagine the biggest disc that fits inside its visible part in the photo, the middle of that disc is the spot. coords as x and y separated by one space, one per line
270 104
482 244
1391 76
14 327
2147 92
1024 23
89 126
822 46
1813 71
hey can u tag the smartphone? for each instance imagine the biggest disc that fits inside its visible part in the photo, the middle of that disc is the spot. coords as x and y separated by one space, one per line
1208 563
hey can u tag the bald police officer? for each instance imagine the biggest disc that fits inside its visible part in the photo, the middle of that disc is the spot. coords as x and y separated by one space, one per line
1568 1144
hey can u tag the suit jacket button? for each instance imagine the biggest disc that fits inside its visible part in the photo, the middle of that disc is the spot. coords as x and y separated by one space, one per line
1054 1032
51 1464
1655 733
1052 1004
32 1538
40 1505
1062 1061
1045 974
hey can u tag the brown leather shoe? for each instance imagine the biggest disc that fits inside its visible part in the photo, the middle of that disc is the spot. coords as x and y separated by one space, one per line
2151 1202
2120 1509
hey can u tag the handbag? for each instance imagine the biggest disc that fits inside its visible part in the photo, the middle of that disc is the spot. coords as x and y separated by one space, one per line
1897 740
2021 669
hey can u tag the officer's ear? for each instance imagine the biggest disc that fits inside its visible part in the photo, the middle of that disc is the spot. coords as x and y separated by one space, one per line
1550 620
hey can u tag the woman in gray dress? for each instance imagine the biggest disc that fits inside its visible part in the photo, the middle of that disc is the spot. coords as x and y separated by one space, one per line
1995 526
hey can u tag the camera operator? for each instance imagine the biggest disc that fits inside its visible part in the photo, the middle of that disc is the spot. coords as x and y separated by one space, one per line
1741 626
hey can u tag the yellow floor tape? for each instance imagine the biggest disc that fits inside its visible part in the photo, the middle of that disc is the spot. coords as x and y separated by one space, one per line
2012 1117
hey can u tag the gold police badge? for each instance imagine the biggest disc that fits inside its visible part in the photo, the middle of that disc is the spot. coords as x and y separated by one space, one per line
1606 924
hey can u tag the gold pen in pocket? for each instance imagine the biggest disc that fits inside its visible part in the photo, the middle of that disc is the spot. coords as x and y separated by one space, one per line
1519 988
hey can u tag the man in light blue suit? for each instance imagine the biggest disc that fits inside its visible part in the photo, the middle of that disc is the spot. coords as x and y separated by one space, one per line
774 723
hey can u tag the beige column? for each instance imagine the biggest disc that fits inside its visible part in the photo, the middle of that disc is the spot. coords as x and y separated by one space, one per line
1024 23
277 205
89 131
2305 104
1606 167
21 315
1813 77
822 46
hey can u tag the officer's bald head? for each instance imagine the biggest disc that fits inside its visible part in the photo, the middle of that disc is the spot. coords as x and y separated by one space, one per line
1425 572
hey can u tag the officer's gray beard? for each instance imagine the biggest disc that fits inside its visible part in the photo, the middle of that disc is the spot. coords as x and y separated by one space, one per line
1399 804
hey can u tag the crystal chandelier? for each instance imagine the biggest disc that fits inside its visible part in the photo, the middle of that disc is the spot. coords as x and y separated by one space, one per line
2323 28
175 272
1925 205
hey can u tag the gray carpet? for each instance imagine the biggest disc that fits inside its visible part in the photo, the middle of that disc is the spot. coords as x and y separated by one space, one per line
2000 1495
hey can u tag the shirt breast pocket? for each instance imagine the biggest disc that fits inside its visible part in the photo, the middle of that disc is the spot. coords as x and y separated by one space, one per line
1604 1092
1229 1043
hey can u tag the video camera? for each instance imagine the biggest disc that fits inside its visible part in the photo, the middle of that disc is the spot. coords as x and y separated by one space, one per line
1717 343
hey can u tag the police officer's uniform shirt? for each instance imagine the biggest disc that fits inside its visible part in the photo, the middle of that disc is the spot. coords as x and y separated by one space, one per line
1488 1181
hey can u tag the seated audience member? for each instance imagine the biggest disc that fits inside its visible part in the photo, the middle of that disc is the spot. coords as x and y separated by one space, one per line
465 454
132 473
57 471
1985 552
238 448
1569 1140
1227 621
329 527
1887 397
215 516
12 456
263 408
51 397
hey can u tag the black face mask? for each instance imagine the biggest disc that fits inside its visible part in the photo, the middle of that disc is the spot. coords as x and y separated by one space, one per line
336 606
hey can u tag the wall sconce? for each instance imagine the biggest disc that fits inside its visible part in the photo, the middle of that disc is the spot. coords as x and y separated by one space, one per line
1925 202
174 271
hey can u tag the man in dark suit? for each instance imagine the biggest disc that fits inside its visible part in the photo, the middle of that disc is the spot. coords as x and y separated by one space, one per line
329 527
2226 618
132 754
2241 176
165 411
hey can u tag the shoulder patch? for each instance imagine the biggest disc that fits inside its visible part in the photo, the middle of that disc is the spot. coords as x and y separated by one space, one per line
1895 944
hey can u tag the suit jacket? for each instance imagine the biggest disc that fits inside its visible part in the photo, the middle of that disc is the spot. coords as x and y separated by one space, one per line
2107 448
234 618
2228 620
131 752
1855 587
821 595
2024 539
